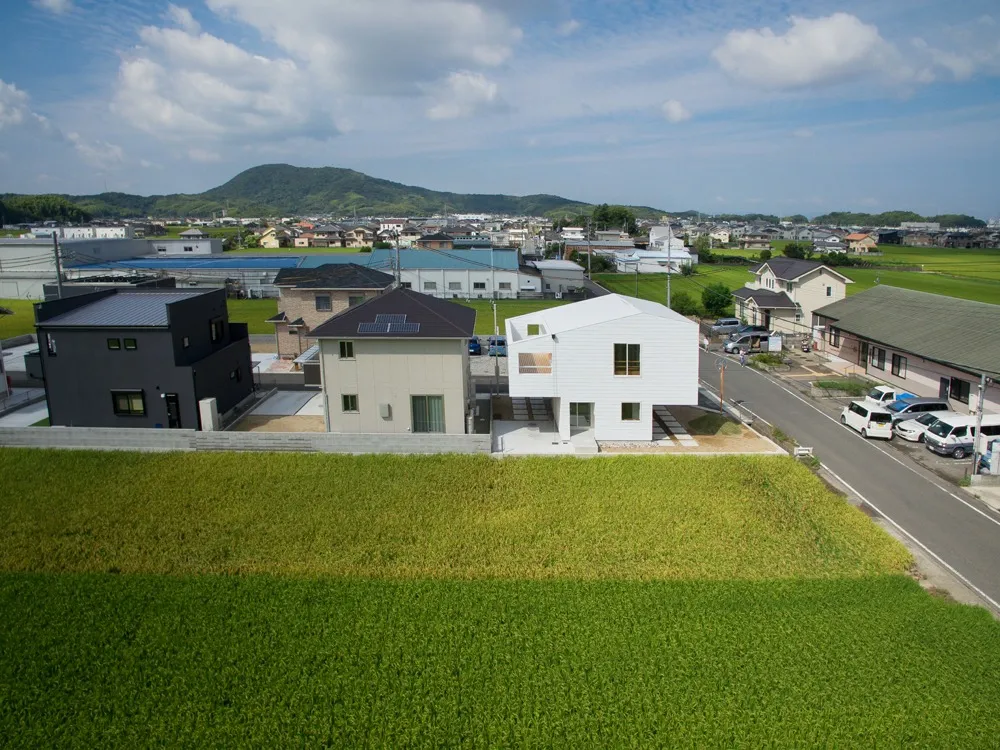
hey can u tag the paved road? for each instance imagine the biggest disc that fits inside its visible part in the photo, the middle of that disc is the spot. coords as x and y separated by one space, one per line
959 532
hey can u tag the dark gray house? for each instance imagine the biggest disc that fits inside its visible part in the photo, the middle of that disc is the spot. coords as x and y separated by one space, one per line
141 358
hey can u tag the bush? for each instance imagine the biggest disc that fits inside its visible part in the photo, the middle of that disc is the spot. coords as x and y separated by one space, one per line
687 269
716 298
765 255
851 386
683 303
767 359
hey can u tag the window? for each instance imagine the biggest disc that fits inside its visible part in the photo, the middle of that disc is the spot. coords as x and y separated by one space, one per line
188 249
161 249
185 342
455 286
834 336
534 363
534 329
430 286
323 303
356 299
50 344
959 390
877 358
504 286
128 403
428 413
349 403
347 350
548 286
626 359
236 375
898 366
131 345
406 285
114 344
217 330
790 285
829 291
478 284
630 412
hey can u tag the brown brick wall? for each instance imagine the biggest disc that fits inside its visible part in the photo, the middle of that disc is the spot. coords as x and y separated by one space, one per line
301 303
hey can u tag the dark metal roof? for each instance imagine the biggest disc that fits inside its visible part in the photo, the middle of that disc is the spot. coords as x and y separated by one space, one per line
125 309
333 276
6 311
789 269
437 237
765 298
434 318
952 331
279 318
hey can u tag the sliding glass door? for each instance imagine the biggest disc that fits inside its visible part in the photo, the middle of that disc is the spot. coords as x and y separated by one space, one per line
428 413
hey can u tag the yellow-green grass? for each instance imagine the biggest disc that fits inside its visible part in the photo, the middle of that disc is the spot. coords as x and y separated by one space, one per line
98 661
172 232
653 286
713 424
506 308
253 312
979 290
432 517
21 322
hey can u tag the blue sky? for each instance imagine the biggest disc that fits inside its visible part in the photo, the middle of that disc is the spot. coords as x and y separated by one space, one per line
714 105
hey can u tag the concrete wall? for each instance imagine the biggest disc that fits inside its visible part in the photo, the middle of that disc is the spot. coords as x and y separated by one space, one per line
390 371
188 440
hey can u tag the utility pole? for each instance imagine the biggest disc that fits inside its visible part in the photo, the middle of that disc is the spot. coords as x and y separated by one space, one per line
670 266
983 382
722 387
55 250
399 271
589 252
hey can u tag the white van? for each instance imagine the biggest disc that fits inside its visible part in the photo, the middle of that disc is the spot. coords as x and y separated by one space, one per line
914 429
956 436
868 419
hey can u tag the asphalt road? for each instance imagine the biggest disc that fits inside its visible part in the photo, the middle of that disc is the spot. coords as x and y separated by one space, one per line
957 531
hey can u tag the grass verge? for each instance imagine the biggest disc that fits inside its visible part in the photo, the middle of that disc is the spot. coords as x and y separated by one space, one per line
21 322
713 424
211 661
253 312
851 386
438 517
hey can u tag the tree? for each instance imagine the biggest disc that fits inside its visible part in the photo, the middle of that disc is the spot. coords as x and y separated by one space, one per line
796 219
802 250
703 246
683 303
614 217
382 245
687 269
765 255
715 298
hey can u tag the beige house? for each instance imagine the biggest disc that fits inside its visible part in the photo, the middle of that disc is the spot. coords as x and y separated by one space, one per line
398 363
275 237
311 296
359 237
786 292
860 243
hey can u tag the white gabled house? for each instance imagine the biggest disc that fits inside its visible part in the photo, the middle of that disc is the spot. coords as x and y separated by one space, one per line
604 363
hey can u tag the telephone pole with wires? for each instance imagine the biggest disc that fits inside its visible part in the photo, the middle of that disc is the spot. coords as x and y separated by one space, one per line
55 250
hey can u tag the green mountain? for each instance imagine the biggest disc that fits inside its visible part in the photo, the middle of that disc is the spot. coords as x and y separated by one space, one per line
282 190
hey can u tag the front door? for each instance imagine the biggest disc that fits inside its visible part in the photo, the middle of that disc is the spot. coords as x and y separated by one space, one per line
581 415
767 319
863 354
944 387
173 411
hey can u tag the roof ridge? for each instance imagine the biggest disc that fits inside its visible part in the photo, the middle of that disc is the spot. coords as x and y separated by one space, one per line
419 299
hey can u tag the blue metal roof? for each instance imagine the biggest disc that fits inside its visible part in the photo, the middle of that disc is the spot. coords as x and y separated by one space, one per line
452 260
235 263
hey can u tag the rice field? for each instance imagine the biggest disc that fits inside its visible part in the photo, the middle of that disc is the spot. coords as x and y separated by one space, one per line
21 322
216 600
253 312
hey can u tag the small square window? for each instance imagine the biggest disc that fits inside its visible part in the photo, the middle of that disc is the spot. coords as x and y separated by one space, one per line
323 303
131 345
114 344
454 286
236 375
355 300
347 350
430 286
534 329
349 403
406 285
630 412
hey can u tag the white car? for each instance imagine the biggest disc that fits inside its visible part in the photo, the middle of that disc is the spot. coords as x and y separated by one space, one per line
914 429
868 419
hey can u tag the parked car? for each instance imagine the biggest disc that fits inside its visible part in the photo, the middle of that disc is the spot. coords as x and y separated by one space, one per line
725 326
747 342
474 346
868 419
990 459
956 436
914 429
747 328
883 395
909 408
497 346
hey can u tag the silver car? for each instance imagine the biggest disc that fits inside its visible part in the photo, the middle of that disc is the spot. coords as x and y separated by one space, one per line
725 326
913 429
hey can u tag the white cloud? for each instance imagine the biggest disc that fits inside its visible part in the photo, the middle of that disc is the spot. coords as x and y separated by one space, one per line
182 17
813 52
13 104
203 155
803 133
54 6
675 112
97 153
570 27
464 94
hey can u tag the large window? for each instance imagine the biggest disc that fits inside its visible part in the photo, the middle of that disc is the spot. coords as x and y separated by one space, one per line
349 402
899 366
630 412
454 286
430 286
347 350
128 403
626 359
428 413
877 358
478 284
959 390
834 336
534 363
323 303
504 286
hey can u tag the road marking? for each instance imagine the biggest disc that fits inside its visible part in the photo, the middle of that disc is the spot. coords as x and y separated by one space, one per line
884 452
924 547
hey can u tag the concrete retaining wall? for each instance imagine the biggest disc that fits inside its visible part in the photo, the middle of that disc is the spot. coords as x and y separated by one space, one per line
96 438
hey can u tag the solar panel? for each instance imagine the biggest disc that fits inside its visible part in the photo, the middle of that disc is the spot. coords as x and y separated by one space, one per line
390 318
404 328
373 328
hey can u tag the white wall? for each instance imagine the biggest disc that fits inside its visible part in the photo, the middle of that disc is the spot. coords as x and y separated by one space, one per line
466 281
583 370
178 247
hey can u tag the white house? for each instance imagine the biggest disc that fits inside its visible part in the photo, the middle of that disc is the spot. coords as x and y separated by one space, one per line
654 261
786 292
604 363
661 237
572 233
